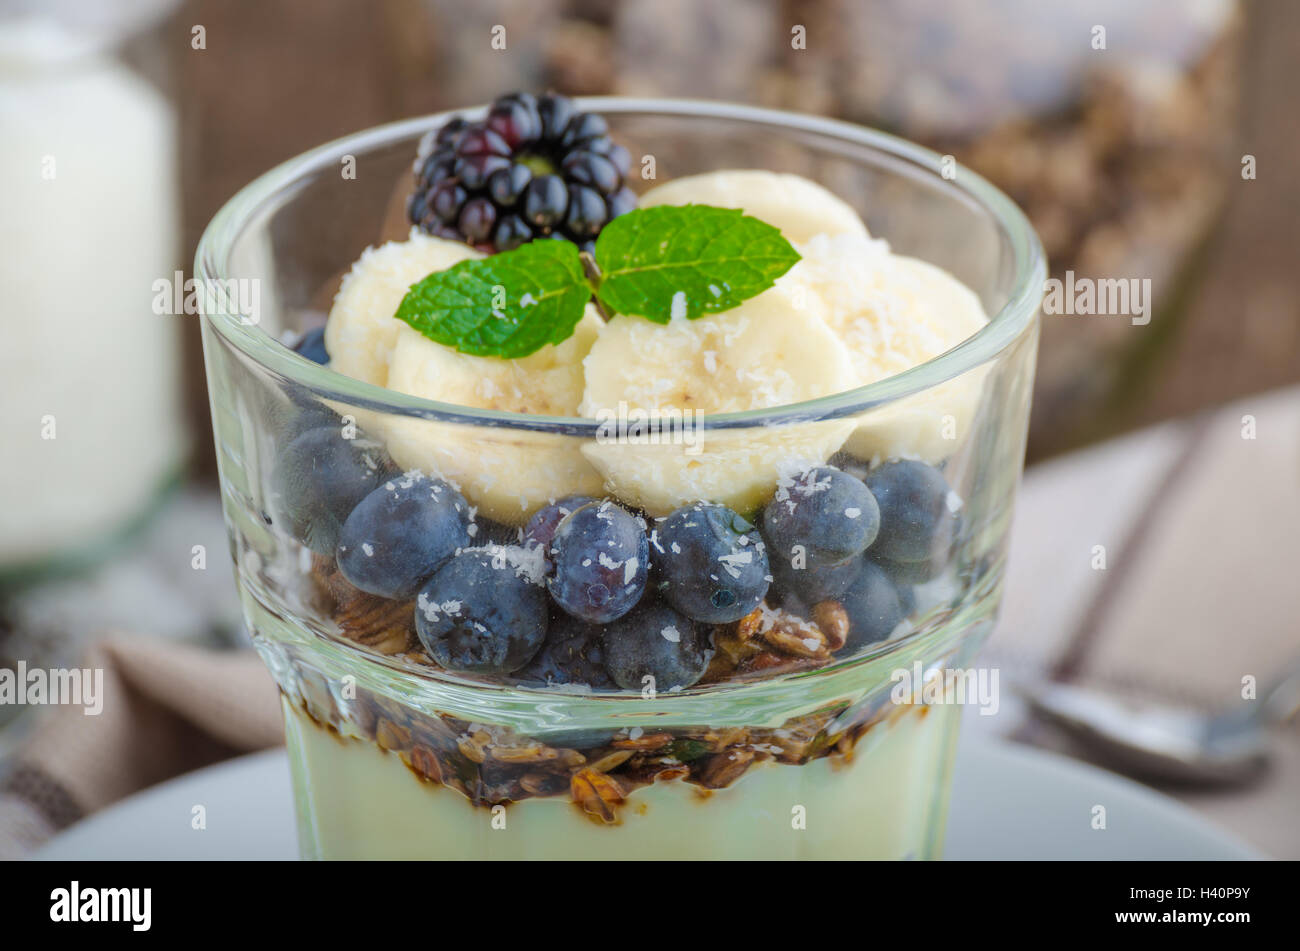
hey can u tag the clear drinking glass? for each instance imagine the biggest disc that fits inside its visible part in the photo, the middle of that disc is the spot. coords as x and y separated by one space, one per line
790 756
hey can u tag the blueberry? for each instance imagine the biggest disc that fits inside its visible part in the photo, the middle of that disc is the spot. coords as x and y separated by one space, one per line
916 522
811 585
400 534
911 572
710 564
320 478
312 346
906 598
858 468
288 413
573 653
872 605
655 641
827 514
540 529
601 558
484 611
485 531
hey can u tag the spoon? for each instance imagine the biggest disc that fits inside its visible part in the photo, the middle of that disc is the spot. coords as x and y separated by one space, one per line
1165 742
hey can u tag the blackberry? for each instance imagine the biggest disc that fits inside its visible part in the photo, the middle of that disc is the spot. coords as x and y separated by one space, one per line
545 202
533 167
507 186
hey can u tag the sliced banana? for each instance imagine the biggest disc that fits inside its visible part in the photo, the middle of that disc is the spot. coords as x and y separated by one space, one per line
798 207
361 330
772 350
892 313
507 473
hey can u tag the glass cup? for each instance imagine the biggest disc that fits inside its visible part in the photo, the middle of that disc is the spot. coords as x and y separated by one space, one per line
804 739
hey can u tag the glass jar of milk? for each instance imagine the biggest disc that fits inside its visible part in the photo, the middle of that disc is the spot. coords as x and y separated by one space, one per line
91 422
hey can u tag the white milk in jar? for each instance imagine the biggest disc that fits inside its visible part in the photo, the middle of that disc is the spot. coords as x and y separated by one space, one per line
90 414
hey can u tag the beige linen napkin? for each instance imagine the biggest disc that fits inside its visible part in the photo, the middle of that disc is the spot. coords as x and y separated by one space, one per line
167 709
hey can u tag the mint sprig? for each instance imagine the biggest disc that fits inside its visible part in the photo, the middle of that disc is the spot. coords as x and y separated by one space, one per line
657 263
695 259
505 305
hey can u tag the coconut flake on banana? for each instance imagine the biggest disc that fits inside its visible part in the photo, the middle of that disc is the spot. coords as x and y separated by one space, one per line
361 331
505 473
848 314
772 350
892 313
799 208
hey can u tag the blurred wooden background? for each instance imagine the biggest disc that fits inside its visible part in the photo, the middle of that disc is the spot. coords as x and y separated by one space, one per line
279 76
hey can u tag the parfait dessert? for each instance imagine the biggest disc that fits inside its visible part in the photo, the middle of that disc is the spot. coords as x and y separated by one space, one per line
604 514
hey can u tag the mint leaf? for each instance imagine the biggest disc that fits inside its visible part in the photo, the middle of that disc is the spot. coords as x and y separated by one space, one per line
504 305
687 260
657 263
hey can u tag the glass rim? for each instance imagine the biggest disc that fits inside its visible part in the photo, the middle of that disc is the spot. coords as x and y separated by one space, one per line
211 264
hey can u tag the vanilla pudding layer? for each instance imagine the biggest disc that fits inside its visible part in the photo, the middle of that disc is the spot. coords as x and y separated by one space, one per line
886 800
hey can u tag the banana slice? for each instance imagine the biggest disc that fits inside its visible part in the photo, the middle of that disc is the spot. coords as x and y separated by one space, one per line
893 312
506 473
772 350
799 207
361 330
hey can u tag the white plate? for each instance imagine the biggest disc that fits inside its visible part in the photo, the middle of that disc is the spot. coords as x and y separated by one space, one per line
1009 802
